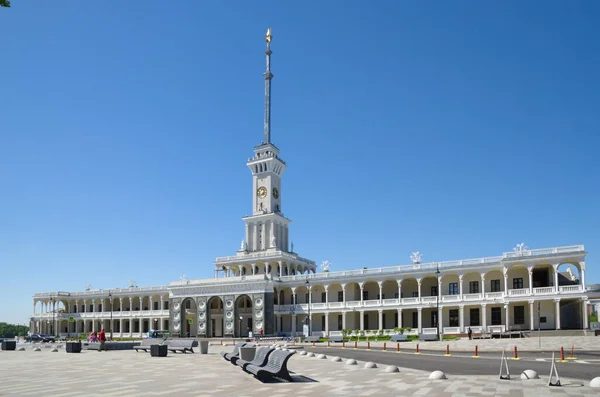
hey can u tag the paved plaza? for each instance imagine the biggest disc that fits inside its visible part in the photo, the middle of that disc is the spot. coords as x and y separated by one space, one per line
127 373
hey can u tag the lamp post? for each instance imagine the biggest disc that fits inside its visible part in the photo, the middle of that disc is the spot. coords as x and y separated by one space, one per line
437 300
309 301
110 299
241 319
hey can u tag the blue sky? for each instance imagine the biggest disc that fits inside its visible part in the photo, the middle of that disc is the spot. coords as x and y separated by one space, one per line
455 128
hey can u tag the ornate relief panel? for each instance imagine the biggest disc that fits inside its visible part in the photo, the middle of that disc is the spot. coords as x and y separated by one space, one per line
175 306
228 309
201 304
258 315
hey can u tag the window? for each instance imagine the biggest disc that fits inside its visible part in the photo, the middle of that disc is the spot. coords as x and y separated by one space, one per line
340 296
188 304
365 295
517 283
396 295
519 315
434 319
453 288
434 291
496 316
340 324
166 305
382 321
307 297
154 305
453 318
366 324
100 307
473 287
494 285
415 320
396 320
474 318
323 322
415 294
323 297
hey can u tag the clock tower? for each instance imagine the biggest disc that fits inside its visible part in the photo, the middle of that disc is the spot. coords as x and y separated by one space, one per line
267 227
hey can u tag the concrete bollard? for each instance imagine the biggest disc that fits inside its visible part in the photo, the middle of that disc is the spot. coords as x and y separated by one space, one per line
418 351
437 375
447 351
476 352
529 374
370 364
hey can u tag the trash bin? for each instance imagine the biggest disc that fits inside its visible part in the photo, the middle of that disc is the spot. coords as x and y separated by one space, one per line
247 353
9 345
596 333
158 350
73 347
203 347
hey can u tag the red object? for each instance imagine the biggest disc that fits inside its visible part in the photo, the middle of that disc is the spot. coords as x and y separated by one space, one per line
516 354
384 346
368 345
562 354
417 348
398 347
355 344
476 351
448 349
102 335
261 331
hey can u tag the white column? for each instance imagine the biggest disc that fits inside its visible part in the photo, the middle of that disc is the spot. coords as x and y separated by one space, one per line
361 293
557 311
419 289
151 303
380 319
326 314
280 268
585 314
34 302
344 293
247 234
130 304
326 295
507 316
483 285
162 303
362 319
344 320
419 318
530 271
399 318
293 325
131 326
439 289
461 318
531 318
505 271
94 305
399 290
555 267
582 265
460 287
483 317
441 320
255 246
380 292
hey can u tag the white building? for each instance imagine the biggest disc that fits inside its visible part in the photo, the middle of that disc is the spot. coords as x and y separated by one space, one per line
267 285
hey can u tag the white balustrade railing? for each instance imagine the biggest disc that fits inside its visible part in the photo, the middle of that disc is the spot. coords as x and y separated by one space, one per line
471 297
372 303
571 288
518 292
353 304
429 299
319 305
494 295
544 291
450 298
391 302
336 305
410 301
429 331
451 330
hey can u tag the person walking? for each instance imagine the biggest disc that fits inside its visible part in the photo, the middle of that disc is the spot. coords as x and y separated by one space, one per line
102 339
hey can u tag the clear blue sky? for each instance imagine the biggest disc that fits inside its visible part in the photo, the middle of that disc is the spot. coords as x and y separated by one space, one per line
455 128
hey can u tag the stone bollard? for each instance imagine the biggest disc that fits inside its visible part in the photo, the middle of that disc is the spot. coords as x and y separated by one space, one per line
351 362
322 357
391 368
336 359
529 374
595 382
437 375
370 364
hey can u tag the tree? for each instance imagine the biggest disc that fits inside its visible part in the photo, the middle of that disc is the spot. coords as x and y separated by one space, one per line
12 330
4 3
593 317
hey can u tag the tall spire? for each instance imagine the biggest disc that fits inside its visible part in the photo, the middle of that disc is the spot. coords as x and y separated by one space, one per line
268 76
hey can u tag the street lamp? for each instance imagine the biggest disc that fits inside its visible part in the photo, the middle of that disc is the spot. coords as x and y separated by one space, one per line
309 300
110 298
437 300
241 318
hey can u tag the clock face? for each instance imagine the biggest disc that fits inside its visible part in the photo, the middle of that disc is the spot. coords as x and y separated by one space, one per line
261 192
275 193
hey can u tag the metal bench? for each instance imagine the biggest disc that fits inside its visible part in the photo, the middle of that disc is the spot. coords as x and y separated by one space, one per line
147 344
276 367
399 338
182 345
260 358
425 337
336 338
235 352
311 339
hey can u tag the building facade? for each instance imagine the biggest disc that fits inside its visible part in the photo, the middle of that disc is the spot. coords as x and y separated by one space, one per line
268 286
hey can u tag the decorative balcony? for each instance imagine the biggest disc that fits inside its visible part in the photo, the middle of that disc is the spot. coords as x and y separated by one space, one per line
544 291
